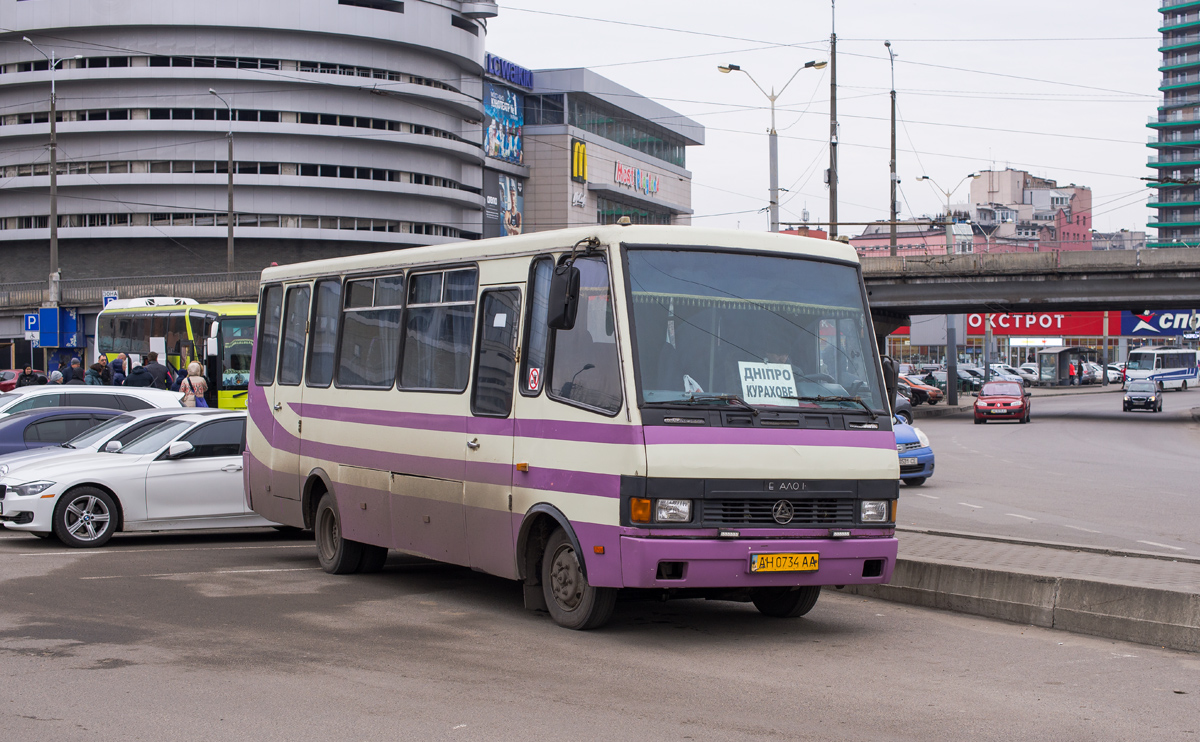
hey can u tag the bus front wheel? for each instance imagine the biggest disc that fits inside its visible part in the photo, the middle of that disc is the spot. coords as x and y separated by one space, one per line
786 602
337 555
572 602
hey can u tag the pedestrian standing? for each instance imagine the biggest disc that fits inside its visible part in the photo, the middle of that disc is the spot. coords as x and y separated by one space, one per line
1071 373
27 377
139 376
105 371
118 371
56 377
92 377
194 386
156 370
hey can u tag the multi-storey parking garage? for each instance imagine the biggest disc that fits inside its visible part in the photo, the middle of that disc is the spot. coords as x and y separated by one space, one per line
356 125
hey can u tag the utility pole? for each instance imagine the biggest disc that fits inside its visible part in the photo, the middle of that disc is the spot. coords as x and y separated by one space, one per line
773 137
892 59
52 61
229 213
833 126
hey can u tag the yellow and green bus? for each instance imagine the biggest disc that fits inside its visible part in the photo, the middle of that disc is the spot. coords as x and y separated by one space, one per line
220 336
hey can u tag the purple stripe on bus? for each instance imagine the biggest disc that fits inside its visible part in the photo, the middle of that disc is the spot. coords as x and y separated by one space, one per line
551 429
564 480
772 437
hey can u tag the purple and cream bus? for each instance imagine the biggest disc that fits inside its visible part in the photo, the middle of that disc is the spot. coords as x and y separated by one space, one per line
695 412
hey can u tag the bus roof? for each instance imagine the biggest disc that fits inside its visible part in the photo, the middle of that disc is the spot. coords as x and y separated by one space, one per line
228 309
563 239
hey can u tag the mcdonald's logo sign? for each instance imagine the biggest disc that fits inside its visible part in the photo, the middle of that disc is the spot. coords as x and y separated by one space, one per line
578 161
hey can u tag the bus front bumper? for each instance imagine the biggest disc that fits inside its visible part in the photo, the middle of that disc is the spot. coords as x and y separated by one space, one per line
726 563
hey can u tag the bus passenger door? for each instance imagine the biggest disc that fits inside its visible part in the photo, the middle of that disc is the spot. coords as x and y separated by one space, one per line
288 394
489 436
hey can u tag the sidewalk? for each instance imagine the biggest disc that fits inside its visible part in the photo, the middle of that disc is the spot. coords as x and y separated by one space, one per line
1134 596
966 401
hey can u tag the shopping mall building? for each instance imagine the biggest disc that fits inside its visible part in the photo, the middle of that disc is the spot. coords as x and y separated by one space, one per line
357 126
1018 336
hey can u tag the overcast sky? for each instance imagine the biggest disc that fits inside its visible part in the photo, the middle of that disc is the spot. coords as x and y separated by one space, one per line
1061 88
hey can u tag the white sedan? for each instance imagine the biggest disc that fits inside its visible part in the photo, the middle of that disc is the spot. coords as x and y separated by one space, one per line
183 474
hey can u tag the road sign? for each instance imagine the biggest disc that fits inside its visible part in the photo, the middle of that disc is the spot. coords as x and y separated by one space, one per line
31 326
108 297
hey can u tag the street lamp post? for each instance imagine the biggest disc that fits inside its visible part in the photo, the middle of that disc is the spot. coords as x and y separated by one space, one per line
772 136
951 340
53 61
892 60
229 167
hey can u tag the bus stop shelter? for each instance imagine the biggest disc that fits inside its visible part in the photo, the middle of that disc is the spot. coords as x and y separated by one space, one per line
1054 364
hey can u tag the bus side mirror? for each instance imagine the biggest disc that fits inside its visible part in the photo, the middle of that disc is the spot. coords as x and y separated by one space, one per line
890 377
210 346
564 297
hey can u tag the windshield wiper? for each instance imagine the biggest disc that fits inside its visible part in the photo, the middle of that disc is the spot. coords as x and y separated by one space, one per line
707 398
835 398
66 445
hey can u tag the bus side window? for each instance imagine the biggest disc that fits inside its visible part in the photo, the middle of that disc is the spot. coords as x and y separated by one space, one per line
268 338
291 361
370 343
322 345
496 353
537 334
438 327
585 369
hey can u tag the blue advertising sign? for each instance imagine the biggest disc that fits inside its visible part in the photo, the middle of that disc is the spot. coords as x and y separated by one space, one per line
57 327
48 327
505 111
507 71
1166 323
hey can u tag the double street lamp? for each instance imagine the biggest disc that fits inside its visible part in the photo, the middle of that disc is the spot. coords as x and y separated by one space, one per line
773 137
52 60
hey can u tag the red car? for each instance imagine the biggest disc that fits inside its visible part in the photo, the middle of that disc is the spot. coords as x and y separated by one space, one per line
1002 400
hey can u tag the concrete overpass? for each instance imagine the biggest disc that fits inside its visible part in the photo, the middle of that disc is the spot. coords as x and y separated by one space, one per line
1023 282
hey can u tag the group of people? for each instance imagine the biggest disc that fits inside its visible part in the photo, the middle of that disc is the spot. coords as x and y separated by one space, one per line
149 374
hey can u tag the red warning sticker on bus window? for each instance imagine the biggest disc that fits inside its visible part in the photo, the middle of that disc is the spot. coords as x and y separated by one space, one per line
535 376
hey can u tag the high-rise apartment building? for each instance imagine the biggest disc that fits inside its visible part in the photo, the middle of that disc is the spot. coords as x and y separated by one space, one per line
1176 139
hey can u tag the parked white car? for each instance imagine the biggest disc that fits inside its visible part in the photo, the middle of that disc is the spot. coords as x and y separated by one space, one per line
76 395
1115 375
183 474
1001 372
1029 377
123 428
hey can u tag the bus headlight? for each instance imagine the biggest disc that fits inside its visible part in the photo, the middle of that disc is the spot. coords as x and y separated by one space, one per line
874 511
673 511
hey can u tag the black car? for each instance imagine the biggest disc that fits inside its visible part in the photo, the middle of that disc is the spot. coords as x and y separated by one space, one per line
48 426
1143 394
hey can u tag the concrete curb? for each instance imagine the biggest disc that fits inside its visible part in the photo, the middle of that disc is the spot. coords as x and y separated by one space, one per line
1145 615
1062 546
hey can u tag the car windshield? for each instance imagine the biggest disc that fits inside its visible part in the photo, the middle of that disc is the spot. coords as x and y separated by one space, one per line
1142 386
782 331
1140 362
1001 389
89 438
156 438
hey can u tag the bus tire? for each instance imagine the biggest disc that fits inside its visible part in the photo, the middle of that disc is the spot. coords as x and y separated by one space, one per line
337 555
373 558
1184 387
571 601
786 602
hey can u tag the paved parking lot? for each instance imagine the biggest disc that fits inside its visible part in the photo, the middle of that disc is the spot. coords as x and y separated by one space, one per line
240 636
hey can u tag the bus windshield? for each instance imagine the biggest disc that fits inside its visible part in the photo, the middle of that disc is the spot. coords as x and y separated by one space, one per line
724 327
1140 362
237 335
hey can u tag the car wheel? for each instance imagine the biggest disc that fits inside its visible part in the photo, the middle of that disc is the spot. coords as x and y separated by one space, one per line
915 481
785 602
1184 387
572 602
979 421
933 402
337 555
1125 408
904 417
85 517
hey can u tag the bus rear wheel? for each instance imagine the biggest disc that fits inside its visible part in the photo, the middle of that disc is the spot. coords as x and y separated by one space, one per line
572 602
337 555
786 602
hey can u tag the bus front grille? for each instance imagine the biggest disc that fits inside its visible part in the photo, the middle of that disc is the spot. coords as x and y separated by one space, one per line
761 512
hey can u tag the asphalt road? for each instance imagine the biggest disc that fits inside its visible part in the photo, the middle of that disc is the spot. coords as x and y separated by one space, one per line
241 637
1081 472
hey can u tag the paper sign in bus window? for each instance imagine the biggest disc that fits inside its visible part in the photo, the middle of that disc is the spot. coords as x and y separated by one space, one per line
768 383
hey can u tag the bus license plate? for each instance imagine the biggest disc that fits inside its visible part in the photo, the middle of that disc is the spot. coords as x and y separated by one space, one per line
783 562
909 461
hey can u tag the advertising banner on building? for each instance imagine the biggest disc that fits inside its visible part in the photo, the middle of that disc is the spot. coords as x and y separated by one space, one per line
1026 324
1165 323
504 203
505 112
